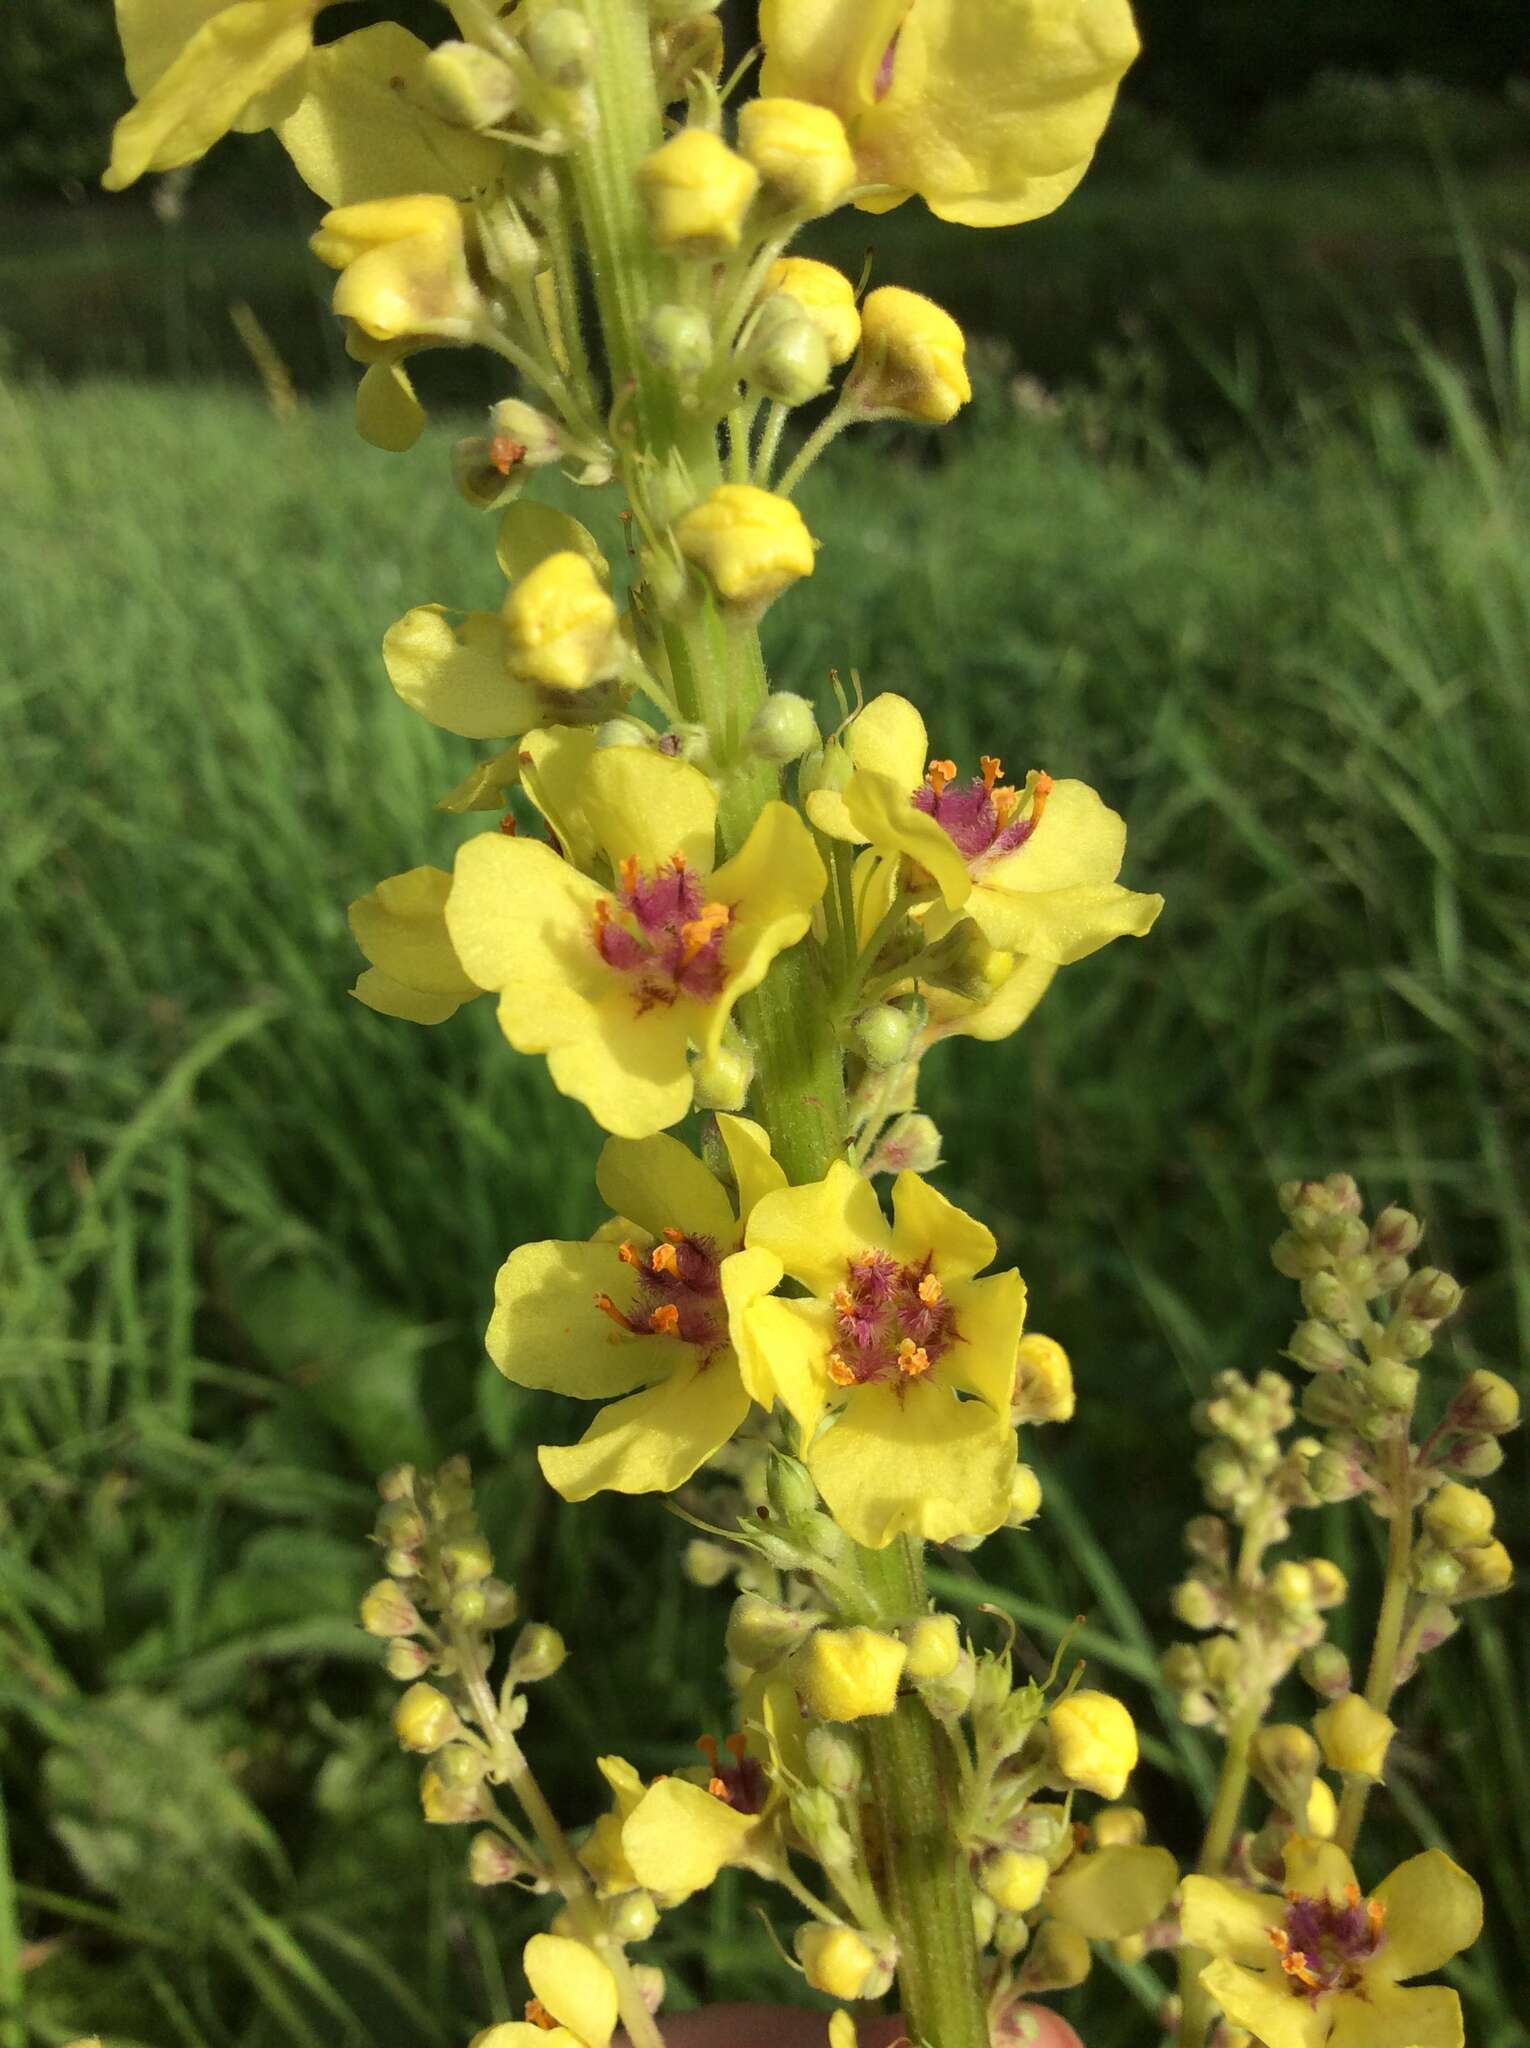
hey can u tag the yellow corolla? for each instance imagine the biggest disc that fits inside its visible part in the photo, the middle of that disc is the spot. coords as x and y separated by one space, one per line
990 110
638 1315
1034 868
403 267
573 2001
1325 1967
401 928
199 68
1107 1894
895 1331
615 982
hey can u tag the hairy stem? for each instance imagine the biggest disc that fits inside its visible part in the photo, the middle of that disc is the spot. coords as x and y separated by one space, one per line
1381 1680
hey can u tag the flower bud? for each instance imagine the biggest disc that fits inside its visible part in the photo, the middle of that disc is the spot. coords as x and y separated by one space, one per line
1396 1234
722 1077
1290 1586
1392 1386
632 1917
828 767
1119 1827
1476 1457
445 1804
697 193
762 1632
912 360
425 1720
911 1144
751 543
539 1652
561 625
1317 1348
491 1860
1459 1517
678 340
388 1611
1409 1337
788 360
834 1761
1485 1571
1334 1477
406 1660
1436 1573
1195 1604
1284 1760
1043 1381
1354 1736
1014 1882
1011 1932
501 1603
790 1489
838 1961
934 1647
845 1674
1330 1588
783 729
826 296
399 1526
561 48
1431 1295
985 1917
1024 1498
1326 1669
403 265
950 1697
801 152
1488 1403
469 87
1094 1742
1057 1959
397 1483
467 1560
884 1037
707 1564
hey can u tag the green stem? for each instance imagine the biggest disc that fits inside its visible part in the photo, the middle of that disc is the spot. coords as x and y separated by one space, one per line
13 2030
1198 2012
1381 1680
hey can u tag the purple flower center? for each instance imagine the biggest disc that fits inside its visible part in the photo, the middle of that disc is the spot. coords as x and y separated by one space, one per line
737 1780
892 1323
661 932
983 818
679 1293
1324 1946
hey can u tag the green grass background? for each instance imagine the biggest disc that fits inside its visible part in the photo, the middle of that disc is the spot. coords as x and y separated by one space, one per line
248 1231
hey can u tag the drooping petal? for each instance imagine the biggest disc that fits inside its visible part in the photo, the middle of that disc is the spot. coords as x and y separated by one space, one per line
990 1315
555 772
755 1171
1229 1920
925 1222
401 927
1114 1892
1062 925
680 1837
1433 1911
782 1345
660 1184
653 1441
913 1460
814 1230
998 1018
546 1330
388 414
390 998
483 788
1266 2006
456 675
575 1986
650 808
1397 2016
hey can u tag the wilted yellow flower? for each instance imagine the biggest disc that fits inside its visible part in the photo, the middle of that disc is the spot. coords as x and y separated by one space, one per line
641 1315
1057 1959
1109 1893
827 297
912 363
1094 1740
1354 1736
561 625
840 1962
403 265
697 192
801 152
615 984
1043 1381
200 68
989 109
1325 1967
1034 868
897 1335
401 928
750 542
849 1674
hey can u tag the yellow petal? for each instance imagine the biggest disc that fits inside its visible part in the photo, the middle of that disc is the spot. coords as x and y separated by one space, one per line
913 1460
547 1332
889 738
782 1345
1229 1920
883 811
1062 925
575 1986
531 533
401 927
653 1441
660 1184
366 127
998 1018
990 1314
1079 840
755 1171
629 1069
626 1786
814 1230
484 787
1114 1892
456 675
1433 1912
1392 2017
772 884
647 807
1318 1869
1266 2006
388 414
228 60
390 998
925 1222
555 772
521 920
680 1837
522 2034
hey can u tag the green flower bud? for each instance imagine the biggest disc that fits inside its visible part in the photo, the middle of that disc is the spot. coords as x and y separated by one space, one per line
790 1489
561 48
1284 1760
1326 1669
789 357
400 1526
1345 1236
827 767
470 87
985 1916
397 1483
1396 1233
1182 1668
678 340
783 729
1297 1256
1195 1604
467 1606
950 1697
491 1860
1330 1588
539 1651
446 1805
461 1767
1317 1348
1333 1477
1392 1386
467 1559
721 1079
1011 1935
1324 1295
1476 1457
1290 1586
1409 1337
1486 1403
501 1604
1436 1573
884 1037
388 1611
834 1758
1331 1401
912 1144
406 1660
762 1632
632 1917
1431 1295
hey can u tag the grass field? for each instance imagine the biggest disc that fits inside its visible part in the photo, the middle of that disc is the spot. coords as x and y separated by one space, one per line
249 1230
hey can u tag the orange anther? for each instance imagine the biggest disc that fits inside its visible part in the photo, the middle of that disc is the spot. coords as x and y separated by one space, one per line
629 1254
718 1789
699 933
602 913
507 824
707 1744
675 1236
505 453
839 1372
608 1307
678 863
992 768
930 1290
665 1320
736 1746
630 874
938 774
537 2015
1041 789
913 1359
663 1259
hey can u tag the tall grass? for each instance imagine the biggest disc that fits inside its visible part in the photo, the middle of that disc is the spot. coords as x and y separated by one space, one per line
249 1229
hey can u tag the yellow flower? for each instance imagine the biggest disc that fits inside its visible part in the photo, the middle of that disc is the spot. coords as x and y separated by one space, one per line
403 265
1354 1736
697 192
1110 1893
801 152
401 927
750 542
989 109
1325 1967
896 1331
912 363
1043 1381
638 1315
602 1853
849 1674
827 297
561 626
614 983
200 68
1094 1741
573 2002
1034 868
